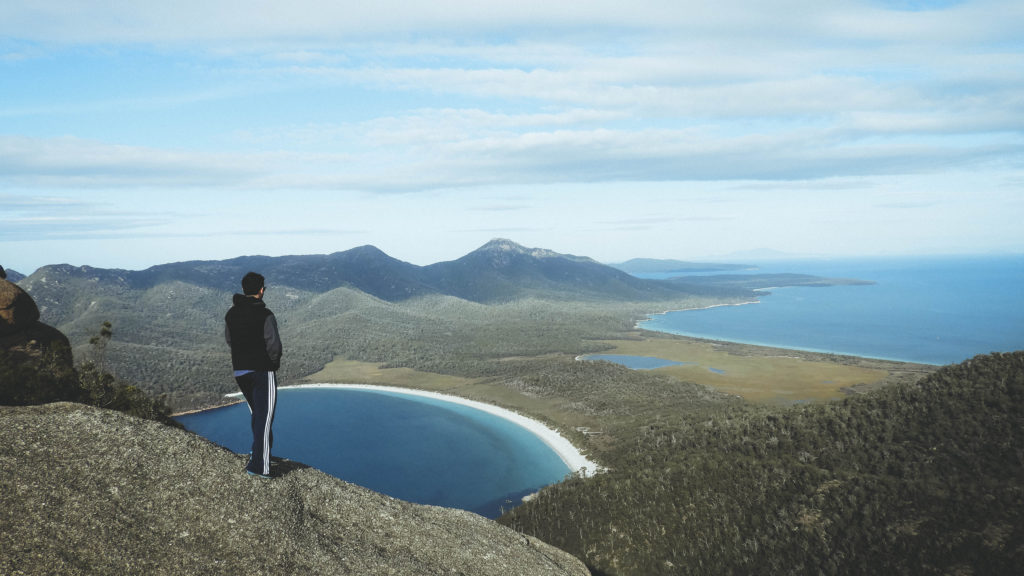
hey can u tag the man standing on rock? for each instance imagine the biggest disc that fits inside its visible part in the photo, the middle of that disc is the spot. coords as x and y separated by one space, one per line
251 332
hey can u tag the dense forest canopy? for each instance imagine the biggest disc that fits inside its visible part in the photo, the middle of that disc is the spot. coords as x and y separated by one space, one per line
922 478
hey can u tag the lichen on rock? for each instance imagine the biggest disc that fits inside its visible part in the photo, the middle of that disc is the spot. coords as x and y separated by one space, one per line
92 491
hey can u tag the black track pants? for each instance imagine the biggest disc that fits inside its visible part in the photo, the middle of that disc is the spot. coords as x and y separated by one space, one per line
260 391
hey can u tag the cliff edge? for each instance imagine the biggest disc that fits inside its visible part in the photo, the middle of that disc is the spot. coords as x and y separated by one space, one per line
93 491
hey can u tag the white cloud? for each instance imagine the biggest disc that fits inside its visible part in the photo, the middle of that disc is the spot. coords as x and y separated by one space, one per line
457 148
74 162
744 102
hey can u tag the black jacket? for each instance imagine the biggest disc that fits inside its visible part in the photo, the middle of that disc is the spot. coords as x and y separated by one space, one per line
251 331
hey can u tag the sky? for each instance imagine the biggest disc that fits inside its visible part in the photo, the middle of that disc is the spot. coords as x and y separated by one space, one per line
139 133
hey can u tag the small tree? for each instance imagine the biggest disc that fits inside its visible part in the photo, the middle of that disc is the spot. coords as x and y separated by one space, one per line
105 391
94 379
99 344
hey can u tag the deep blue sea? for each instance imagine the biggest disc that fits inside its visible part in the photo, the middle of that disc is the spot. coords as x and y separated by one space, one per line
929 310
414 448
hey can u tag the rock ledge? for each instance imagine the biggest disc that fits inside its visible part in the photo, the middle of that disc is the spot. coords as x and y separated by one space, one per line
91 491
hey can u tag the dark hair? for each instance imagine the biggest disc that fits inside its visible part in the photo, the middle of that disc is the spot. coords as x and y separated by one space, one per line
251 283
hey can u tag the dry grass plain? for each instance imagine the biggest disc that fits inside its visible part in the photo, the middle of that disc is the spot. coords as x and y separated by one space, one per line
755 373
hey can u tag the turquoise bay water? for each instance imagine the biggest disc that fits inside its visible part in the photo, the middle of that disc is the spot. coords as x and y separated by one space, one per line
927 310
414 448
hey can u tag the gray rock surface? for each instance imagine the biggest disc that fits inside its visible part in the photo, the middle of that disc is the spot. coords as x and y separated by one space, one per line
91 491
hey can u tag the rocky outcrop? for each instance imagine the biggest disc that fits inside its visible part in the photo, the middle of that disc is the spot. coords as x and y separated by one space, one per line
20 328
35 358
12 275
17 309
91 491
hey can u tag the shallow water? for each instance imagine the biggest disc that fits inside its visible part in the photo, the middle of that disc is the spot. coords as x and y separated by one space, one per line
414 448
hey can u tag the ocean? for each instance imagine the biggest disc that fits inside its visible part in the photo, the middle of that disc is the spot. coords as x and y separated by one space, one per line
415 448
934 310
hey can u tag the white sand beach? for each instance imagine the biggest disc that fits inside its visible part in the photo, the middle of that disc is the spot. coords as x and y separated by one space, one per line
572 457
637 325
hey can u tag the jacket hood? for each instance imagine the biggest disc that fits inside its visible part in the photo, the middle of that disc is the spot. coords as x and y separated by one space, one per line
242 300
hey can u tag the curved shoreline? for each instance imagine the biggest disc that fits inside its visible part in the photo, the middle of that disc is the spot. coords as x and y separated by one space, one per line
639 325
650 316
569 454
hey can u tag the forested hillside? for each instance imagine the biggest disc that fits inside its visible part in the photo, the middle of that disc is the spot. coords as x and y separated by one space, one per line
499 271
461 317
359 304
923 478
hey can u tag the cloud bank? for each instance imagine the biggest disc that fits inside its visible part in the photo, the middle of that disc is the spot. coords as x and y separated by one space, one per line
527 92
740 119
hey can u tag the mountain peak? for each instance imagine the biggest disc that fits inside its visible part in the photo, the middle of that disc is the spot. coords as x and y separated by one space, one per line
499 271
364 250
505 247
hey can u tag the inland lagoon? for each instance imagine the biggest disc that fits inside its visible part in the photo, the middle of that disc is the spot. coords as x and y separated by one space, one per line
417 446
